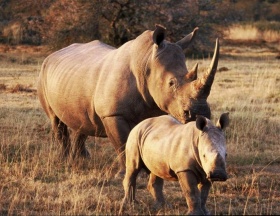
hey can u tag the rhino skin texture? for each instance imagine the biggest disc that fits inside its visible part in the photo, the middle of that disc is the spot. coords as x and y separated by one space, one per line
97 90
193 154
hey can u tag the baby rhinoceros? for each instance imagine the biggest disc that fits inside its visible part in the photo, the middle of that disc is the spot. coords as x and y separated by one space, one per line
193 154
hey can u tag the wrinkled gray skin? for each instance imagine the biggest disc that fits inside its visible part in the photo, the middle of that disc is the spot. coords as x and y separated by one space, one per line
97 90
193 154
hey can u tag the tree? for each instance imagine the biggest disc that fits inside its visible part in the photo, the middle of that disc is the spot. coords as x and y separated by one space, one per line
117 21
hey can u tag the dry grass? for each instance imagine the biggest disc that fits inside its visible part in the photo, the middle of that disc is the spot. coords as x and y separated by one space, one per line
34 182
252 33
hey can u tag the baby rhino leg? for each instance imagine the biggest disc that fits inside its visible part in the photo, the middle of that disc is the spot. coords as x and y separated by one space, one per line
134 164
129 184
189 183
204 190
155 186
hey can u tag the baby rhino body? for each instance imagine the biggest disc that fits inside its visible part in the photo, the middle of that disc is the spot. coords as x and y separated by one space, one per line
193 154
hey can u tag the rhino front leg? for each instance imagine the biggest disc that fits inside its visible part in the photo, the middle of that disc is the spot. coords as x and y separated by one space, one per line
188 182
204 190
155 187
117 130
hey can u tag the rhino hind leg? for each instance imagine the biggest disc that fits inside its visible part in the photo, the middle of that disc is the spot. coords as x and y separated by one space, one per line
134 165
129 185
78 147
62 136
155 187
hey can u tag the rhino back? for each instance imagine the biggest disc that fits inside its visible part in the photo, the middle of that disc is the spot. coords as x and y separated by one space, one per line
84 83
77 77
165 145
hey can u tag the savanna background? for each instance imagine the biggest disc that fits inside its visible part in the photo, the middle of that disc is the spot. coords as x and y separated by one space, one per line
33 181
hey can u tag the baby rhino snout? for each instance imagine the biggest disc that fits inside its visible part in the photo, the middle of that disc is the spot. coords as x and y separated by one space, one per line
217 175
217 172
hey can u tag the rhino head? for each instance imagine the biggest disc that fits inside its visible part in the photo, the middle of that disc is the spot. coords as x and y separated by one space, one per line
211 147
173 88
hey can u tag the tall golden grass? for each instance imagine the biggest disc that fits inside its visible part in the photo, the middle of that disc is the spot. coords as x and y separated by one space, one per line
252 33
35 182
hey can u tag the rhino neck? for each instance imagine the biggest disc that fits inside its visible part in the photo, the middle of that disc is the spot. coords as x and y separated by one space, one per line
140 53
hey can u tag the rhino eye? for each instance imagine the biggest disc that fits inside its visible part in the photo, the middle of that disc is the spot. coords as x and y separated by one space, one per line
172 82
226 154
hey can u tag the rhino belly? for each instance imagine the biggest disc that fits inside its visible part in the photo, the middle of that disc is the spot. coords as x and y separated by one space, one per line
72 104
78 117
157 163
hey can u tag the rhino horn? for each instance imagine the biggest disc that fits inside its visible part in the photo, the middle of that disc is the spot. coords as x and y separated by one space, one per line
185 42
192 74
203 85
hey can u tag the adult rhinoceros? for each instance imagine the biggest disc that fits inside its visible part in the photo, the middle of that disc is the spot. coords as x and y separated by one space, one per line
97 90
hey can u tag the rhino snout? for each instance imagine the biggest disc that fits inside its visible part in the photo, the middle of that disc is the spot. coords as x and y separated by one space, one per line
187 116
217 175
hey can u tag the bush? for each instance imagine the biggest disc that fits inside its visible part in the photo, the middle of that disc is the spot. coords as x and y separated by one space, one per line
59 23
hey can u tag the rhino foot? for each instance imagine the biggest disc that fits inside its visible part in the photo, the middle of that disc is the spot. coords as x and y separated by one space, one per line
159 205
196 212
206 212
80 154
126 203
85 154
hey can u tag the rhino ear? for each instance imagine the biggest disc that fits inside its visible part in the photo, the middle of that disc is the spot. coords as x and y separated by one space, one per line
223 122
192 74
201 122
184 42
159 34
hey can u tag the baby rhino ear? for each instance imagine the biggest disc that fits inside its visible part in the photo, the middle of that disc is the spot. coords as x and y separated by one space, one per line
223 122
201 122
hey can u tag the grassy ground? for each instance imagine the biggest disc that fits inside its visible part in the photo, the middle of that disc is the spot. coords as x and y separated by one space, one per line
33 181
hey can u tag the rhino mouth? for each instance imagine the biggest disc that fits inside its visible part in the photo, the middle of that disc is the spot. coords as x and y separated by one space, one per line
200 108
217 176
187 117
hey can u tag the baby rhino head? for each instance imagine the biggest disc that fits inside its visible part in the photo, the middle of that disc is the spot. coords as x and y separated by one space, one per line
212 148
